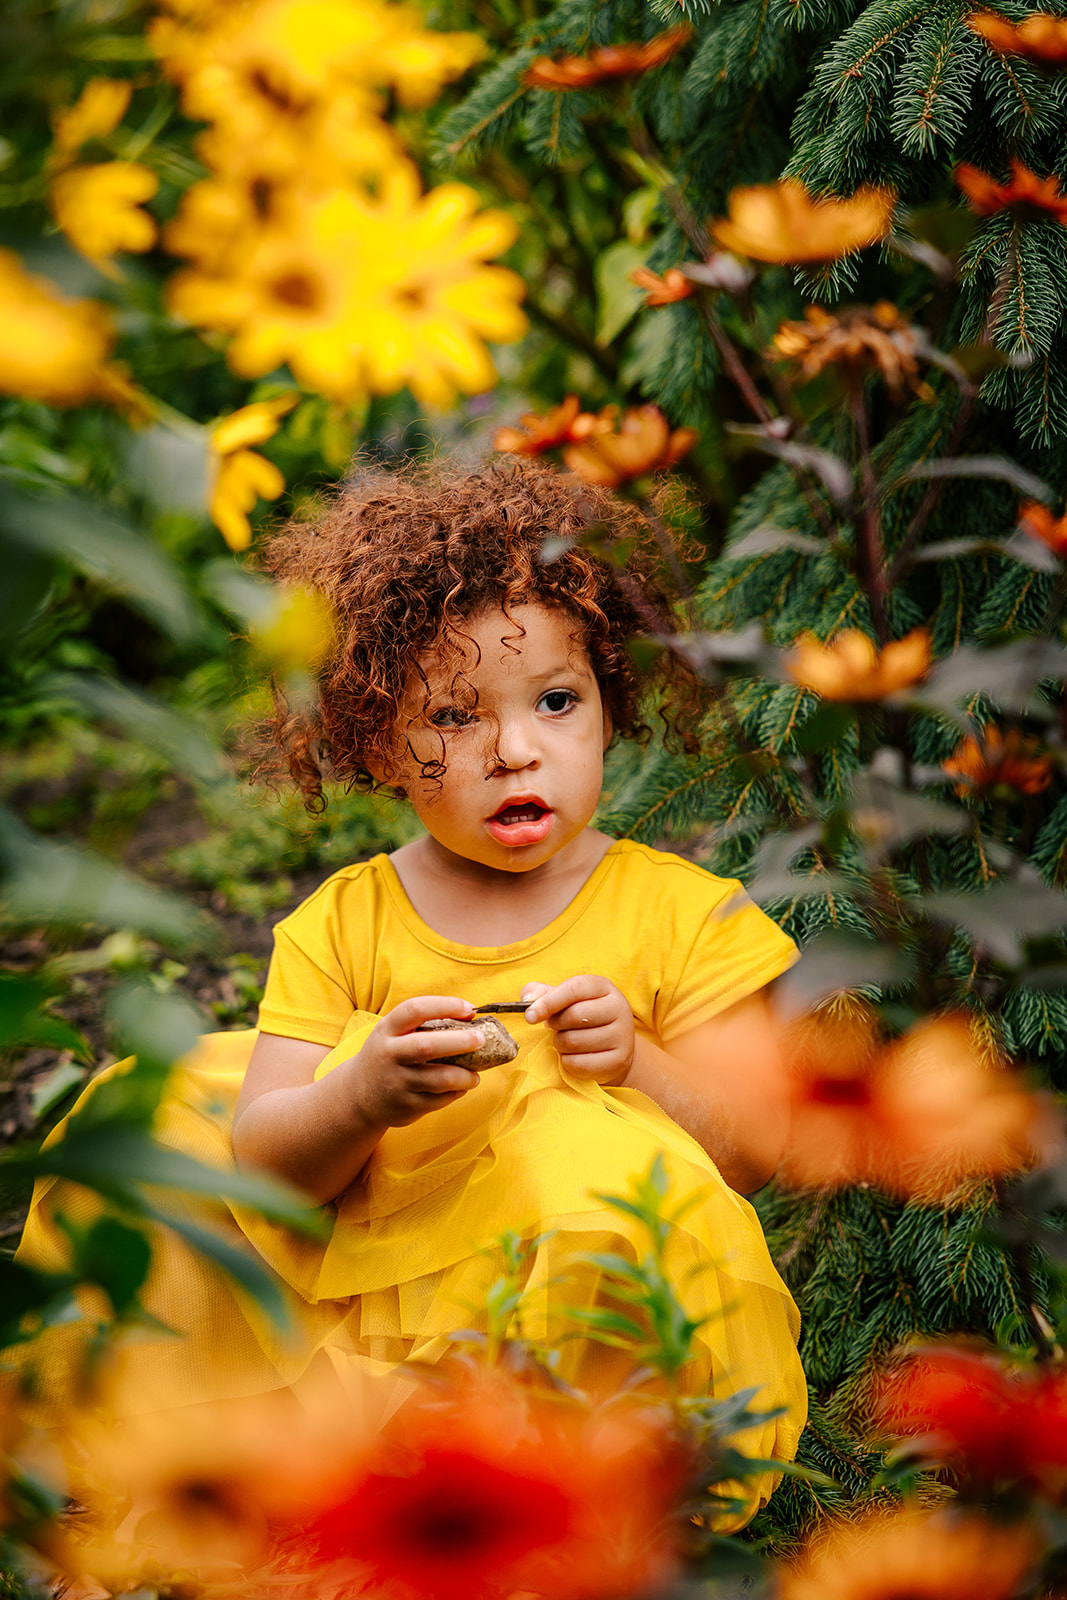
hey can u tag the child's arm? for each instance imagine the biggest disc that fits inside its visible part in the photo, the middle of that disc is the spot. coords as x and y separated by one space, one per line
722 1082
319 1135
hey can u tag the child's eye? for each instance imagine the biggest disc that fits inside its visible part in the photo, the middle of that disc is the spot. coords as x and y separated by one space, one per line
557 701
450 717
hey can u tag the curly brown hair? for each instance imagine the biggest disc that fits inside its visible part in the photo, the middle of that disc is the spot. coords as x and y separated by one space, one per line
406 558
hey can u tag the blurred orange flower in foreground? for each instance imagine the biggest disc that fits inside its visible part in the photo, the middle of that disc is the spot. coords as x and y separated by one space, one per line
644 443
609 61
908 1554
473 1501
918 1115
566 423
674 285
859 339
1012 760
1038 523
992 1426
781 222
1040 37
853 668
51 348
1031 198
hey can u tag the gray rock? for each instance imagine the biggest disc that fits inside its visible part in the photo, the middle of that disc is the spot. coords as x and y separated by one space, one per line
499 1046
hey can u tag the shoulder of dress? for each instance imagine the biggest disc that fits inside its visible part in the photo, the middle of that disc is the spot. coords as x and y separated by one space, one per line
664 868
360 878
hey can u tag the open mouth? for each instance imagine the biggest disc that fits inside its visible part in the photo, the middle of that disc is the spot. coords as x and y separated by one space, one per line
521 822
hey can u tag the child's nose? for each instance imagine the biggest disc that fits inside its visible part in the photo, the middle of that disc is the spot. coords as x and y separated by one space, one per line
516 746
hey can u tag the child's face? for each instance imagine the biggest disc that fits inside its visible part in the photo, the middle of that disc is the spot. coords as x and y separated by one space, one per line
523 768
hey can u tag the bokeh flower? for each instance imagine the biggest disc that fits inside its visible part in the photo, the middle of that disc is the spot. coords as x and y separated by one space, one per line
853 668
241 476
295 631
1027 196
99 208
781 222
606 62
97 112
859 340
1038 522
566 423
999 762
907 1554
919 1115
992 1426
465 1503
358 291
643 443
674 285
1040 37
51 348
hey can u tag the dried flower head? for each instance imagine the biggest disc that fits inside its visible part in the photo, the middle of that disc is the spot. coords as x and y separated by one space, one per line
994 1427
674 285
1027 196
907 1554
860 339
644 443
1040 37
853 668
1038 522
921 1114
1011 761
609 61
781 222
566 423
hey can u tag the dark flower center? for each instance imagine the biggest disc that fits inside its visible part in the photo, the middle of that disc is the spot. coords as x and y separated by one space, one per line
297 289
841 1092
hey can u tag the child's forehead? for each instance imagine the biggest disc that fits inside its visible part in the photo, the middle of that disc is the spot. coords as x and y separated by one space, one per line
526 640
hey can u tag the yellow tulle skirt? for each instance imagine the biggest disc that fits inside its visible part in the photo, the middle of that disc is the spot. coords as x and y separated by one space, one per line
414 1250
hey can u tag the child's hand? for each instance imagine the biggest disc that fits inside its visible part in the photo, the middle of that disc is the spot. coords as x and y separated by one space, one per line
393 1085
593 1024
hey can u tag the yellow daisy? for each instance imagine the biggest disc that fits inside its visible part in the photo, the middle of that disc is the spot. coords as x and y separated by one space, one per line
242 476
98 208
97 111
51 348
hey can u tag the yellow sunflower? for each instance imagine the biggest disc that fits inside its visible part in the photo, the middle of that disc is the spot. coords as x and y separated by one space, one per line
98 208
51 348
242 476
97 111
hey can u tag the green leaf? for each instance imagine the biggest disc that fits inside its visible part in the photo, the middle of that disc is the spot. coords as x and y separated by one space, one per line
243 1268
176 738
618 300
24 1020
113 554
50 1090
605 1321
111 1255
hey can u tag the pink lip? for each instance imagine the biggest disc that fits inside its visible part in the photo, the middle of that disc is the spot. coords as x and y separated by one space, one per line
521 833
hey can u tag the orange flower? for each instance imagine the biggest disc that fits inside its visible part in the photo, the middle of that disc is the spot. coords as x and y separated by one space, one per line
917 1116
781 222
644 443
994 1427
674 285
852 668
610 61
859 339
479 1499
998 760
906 1553
1029 197
1040 37
564 424
1037 522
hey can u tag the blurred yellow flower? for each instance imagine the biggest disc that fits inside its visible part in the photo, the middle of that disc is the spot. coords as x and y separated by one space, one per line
297 633
98 208
782 222
242 476
852 668
51 348
361 292
97 111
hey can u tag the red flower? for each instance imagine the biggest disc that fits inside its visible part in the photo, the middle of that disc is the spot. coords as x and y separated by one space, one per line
564 424
1037 522
644 443
610 61
1029 197
992 1426
674 285
478 1501
1040 37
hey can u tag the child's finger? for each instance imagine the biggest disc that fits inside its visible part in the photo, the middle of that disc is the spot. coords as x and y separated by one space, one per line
438 1080
571 991
415 1050
409 1014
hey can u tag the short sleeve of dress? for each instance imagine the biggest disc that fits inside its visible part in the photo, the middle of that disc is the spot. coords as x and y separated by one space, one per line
309 992
736 951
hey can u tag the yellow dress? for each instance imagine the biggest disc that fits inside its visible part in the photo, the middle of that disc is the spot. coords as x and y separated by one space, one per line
412 1250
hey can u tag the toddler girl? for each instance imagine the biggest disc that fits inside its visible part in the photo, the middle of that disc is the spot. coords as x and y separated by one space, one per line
480 667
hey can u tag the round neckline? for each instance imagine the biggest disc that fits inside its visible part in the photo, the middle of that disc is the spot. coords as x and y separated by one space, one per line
490 954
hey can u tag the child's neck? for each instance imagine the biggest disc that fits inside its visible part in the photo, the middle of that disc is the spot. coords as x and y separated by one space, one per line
481 906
